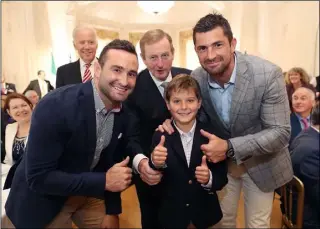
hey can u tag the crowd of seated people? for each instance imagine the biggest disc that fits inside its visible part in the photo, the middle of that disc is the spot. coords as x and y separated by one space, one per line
303 96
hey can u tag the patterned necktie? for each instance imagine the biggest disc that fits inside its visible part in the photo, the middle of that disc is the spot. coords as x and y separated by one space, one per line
164 85
305 123
87 74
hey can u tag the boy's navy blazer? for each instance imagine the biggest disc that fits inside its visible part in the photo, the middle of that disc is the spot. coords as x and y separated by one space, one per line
59 153
183 199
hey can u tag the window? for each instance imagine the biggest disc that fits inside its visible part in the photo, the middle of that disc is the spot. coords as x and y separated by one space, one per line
192 61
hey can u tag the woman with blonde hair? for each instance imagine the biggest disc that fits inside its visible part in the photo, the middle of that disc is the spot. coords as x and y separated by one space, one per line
297 77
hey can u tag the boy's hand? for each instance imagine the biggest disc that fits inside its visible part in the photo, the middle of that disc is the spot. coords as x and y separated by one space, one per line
202 172
159 154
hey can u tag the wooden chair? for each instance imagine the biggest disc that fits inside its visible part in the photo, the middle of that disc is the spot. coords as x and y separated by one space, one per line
293 201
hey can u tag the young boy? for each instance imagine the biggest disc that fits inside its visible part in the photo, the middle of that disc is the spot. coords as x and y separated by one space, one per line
190 181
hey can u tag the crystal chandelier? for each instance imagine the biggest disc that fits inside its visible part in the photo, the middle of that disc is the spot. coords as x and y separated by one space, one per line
155 7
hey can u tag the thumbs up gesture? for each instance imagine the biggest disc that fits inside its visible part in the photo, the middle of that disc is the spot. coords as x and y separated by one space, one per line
202 172
159 154
118 177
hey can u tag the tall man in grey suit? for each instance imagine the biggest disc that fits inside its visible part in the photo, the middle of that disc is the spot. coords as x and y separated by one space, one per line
245 98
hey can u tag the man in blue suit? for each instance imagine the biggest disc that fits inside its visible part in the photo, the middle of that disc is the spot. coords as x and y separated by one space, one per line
73 169
303 99
305 156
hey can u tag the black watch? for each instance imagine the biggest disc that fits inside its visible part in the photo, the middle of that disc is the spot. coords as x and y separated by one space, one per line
230 150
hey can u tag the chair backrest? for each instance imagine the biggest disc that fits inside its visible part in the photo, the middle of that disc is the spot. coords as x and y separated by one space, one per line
293 200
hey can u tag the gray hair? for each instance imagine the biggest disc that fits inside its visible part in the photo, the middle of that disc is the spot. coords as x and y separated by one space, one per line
311 93
83 27
27 93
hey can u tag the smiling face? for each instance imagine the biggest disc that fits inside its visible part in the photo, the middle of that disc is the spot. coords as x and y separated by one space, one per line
19 110
294 77
158 58
183 106
85 42
117 78
303 101
215 53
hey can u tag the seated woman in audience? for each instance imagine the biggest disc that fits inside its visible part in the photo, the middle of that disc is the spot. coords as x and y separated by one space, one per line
295 78
20 109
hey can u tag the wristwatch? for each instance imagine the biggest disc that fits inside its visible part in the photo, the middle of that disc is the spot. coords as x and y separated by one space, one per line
230 150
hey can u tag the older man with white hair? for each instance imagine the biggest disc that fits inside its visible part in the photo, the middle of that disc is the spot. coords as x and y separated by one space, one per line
303 100
86 43
32 96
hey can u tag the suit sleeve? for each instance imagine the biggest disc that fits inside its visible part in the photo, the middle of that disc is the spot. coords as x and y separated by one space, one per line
30 87
48 136
275 121
14 88
59 78
133 130
219 174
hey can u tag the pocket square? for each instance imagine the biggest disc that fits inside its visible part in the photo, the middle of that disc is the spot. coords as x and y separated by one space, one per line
120 135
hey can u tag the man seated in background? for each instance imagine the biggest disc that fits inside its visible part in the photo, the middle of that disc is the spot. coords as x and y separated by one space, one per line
40 85
7 88
305 156
303 99
33 96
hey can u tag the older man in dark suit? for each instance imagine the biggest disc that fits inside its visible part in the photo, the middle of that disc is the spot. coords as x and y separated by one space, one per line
305 155
75 151
86 43
149 108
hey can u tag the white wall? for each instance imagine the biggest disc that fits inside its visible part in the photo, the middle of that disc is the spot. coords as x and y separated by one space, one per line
282 32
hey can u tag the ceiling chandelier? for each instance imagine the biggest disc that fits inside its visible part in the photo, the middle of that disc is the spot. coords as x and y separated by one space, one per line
155 7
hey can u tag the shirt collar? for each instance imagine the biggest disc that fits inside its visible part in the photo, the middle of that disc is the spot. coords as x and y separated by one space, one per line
299 117
41 79
98 103
188 134
159 82
232 80
83 64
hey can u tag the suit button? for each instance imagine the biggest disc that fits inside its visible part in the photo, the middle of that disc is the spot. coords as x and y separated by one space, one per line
187 205
190 182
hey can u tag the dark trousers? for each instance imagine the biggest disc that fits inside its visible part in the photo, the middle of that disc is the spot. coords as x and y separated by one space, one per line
149 203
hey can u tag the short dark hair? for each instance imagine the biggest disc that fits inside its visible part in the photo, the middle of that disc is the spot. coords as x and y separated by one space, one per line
39 72
14 95
182 82
119 45
315 115
210 22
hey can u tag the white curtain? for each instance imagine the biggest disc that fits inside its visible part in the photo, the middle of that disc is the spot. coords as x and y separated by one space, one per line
26 41
101 44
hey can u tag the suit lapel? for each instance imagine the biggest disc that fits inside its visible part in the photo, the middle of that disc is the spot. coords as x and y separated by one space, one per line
195 153
116 135
209 107
154 93
240 88
177 146
37 88
86 101
77 73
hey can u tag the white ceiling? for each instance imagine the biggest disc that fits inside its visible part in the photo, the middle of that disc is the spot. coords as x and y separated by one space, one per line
183 13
